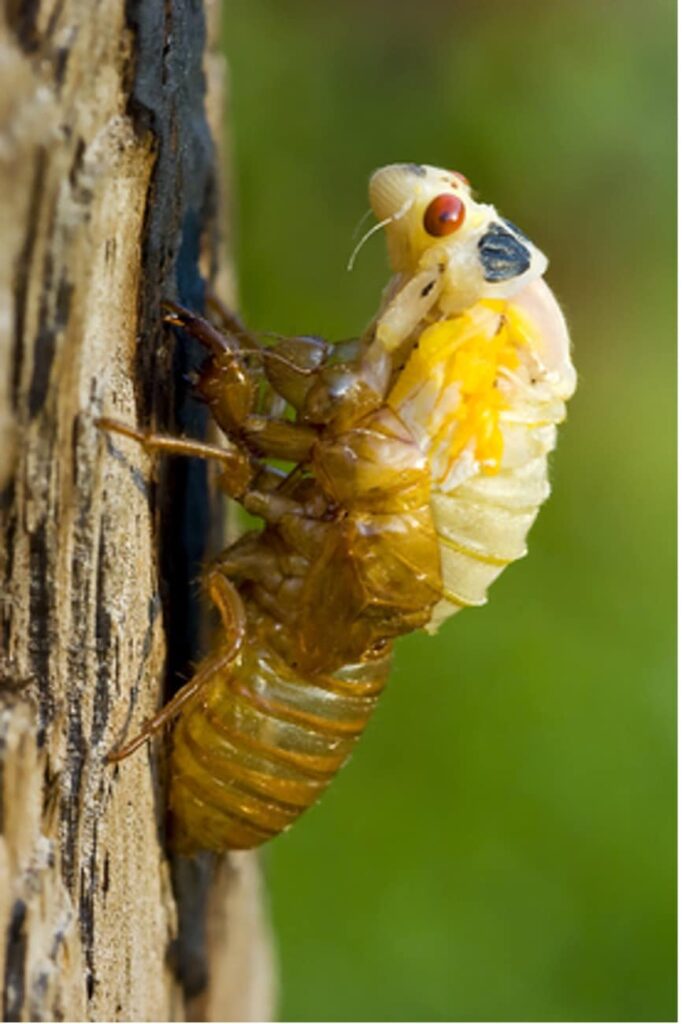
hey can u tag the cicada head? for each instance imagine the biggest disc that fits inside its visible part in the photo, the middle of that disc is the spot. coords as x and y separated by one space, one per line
432 219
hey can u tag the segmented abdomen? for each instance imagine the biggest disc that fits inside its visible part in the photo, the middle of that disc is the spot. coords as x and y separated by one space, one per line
483 408
259 745
482 525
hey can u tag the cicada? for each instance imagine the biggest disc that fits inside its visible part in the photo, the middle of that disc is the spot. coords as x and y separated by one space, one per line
417 463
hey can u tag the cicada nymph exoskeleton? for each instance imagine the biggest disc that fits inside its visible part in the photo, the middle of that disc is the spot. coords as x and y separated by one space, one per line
419 457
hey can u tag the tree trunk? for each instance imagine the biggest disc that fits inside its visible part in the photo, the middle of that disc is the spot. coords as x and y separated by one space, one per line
108 199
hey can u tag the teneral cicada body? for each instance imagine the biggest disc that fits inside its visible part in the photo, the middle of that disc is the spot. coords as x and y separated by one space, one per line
419 457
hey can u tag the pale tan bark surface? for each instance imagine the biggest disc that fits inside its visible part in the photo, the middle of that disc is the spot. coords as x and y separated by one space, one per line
107 203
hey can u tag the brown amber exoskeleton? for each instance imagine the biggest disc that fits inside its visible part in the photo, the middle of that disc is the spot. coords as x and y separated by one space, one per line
419 457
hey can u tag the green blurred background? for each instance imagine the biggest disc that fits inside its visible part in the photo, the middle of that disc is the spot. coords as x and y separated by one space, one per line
502 846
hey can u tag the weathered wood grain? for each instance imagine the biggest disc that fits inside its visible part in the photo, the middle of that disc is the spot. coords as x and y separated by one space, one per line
108 200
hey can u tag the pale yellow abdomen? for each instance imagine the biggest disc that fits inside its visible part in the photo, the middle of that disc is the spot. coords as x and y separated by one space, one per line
482 525
480 402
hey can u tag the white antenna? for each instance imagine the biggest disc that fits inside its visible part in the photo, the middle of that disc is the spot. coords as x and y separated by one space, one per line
356 230
377 227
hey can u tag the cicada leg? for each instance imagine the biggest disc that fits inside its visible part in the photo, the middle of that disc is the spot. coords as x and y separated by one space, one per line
231 608
238 469
324 383
406 308
290 366
229 384
229 321
301 355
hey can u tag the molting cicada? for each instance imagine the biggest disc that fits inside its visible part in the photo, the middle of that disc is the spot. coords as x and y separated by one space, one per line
419 456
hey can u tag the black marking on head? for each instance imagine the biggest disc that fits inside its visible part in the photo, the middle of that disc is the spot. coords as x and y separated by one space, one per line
515 229
427 288
417 169
503 256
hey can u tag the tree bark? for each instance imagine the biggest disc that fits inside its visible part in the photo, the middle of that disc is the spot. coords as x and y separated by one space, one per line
108 200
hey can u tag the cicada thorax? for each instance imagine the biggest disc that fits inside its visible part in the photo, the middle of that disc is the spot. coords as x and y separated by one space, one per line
379 574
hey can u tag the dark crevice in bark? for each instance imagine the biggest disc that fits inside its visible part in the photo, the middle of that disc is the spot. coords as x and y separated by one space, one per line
47 328
182 194
84 544
15 961
88 879
8 510
70 805
183 176
22 16
103 646
23 271
45 344
187 954
39 626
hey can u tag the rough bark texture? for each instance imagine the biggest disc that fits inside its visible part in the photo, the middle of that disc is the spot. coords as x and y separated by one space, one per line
108 203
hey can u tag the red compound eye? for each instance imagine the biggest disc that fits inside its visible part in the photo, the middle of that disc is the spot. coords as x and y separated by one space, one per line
443 215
